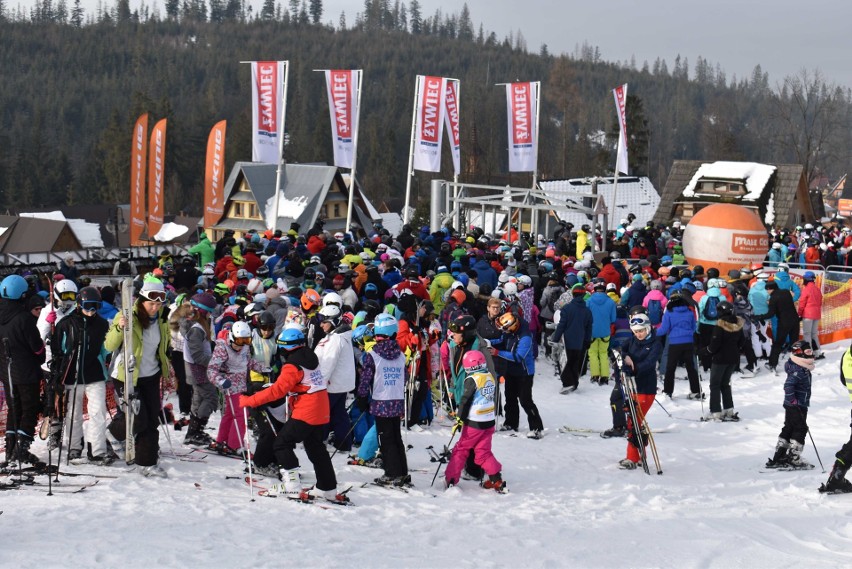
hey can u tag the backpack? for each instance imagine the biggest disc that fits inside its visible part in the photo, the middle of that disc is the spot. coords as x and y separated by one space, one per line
655 311
710 312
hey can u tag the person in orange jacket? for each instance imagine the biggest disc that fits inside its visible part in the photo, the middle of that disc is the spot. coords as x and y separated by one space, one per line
302 380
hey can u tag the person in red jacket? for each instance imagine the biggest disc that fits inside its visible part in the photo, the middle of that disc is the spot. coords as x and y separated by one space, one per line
302 380
609 273
252 261
810 311
316 243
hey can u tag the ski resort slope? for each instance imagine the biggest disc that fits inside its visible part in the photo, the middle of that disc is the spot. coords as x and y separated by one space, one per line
569 504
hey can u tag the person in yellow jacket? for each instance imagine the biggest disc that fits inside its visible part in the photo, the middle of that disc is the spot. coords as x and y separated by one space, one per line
149 364
837 483
582 240
440 284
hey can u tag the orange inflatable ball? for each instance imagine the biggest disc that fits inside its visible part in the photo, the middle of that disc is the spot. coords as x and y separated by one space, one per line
725 236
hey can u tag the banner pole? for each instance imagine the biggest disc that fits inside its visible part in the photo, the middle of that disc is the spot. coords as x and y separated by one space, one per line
280 148
409 173
354 152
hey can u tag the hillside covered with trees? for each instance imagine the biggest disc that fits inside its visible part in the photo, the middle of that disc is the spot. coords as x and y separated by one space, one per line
74 82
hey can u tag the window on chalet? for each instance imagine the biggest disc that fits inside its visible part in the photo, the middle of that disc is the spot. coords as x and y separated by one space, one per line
722 187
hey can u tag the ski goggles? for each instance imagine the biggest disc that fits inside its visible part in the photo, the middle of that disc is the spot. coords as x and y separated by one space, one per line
242 341
455 328
91 305
153 295
270 328
639 322
68 296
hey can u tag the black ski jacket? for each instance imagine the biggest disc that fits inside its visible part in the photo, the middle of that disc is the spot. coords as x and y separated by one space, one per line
19 326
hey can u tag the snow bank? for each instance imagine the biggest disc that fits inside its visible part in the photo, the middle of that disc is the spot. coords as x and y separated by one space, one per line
287 208
569 505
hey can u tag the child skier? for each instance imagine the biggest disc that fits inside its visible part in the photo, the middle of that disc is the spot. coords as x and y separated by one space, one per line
837 482
797 395
228 368
641 354
476 413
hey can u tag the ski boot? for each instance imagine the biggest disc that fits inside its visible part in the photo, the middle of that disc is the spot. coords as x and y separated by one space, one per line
495 482
780 459
614 432
837 483
328 495
729 415
291 487
153 471
22 450
795 456
168 414
627 464
695 396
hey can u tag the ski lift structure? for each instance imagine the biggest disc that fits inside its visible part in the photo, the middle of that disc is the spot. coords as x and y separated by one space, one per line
497 208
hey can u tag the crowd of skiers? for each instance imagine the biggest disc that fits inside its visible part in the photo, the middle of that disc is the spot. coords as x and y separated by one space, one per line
288 325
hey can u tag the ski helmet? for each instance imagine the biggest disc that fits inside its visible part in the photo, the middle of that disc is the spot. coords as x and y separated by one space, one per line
385 325
640 321
240 333
508 322
310 300
474 361
724 309
65 291
89 298
802 349
13 287
330 313
332 299
291 338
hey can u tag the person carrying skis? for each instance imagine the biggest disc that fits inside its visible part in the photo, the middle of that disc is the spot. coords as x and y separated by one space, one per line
837 482
302 379
641 354
382 379
149 362
78 346
477 418
797 396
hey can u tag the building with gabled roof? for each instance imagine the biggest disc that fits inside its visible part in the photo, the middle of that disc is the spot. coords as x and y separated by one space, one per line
778 193
308 192
36 235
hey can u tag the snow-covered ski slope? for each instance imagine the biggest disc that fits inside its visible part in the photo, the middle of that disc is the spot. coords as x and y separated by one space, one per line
569 504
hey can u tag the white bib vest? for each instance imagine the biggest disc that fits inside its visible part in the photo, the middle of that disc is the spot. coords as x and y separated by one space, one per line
482 406
389 381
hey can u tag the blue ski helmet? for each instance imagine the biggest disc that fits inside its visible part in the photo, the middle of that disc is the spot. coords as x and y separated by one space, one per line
385 325
291 338
13 287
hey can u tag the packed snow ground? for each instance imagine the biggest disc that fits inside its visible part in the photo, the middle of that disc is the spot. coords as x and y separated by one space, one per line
569 505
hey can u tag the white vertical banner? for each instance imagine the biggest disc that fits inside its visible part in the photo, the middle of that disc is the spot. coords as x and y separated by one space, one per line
268 88
522 104
452 122
342 87
620 95
429 114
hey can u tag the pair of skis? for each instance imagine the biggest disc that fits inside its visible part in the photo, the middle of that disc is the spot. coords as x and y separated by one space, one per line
637 423
130 405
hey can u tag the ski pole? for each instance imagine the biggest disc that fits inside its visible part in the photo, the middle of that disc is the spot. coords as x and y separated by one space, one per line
247 445
237 426
355 424
443 456
802 415
165 430
657 401
74 394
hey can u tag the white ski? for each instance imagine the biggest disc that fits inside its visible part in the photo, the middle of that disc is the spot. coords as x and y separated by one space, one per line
127 347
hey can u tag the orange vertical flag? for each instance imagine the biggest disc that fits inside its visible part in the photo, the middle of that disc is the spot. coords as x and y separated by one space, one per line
214 180
156 178
138 155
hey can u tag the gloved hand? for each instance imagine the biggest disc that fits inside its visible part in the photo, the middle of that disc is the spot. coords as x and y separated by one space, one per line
457 424
51 317
362 403
244 401
225 383
495 352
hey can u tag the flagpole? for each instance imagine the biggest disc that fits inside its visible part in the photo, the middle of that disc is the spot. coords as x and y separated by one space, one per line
456 176
410 172
354 152
535 171
280 147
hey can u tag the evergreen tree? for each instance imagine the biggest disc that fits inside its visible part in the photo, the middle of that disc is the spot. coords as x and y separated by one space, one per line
316 11
416 21
77 15
267 13
172 9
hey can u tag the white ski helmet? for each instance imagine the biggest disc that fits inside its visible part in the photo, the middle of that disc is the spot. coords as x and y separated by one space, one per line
65 293
510 289
332 299
239 331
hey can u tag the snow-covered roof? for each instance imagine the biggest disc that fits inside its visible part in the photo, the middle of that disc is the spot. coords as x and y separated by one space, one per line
635 195
170 231
88 234
390 221
755 176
